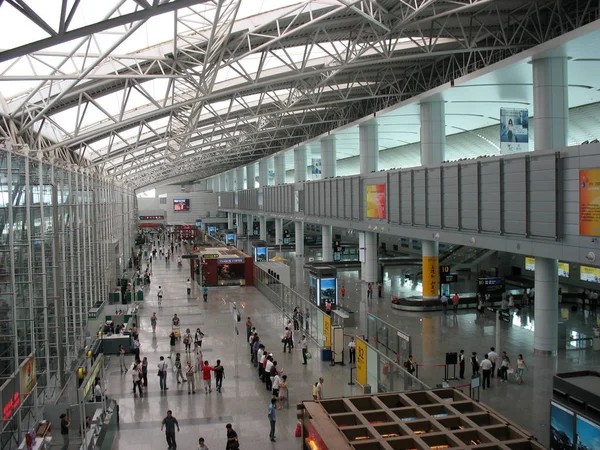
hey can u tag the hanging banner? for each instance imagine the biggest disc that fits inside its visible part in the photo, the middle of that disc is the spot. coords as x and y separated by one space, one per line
589 202
28 373
376 201
361 362
316 168
431 277
514 130
326 330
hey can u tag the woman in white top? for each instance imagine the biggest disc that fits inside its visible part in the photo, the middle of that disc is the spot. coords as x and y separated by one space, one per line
521 366
188 283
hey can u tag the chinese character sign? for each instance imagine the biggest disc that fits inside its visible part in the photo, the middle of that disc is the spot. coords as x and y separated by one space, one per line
431 276
376 201
589 202
361 362
514 130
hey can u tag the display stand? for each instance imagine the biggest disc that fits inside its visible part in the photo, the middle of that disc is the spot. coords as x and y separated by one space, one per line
475 383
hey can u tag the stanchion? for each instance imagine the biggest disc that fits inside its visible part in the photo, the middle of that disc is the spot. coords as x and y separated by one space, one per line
351 378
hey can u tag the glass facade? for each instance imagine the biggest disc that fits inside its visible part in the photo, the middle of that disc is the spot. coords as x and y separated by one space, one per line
66 233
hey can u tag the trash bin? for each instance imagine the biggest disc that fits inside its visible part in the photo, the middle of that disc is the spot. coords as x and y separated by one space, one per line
326 354
367 389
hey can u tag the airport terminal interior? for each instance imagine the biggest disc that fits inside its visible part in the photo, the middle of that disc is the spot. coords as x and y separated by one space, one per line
299 224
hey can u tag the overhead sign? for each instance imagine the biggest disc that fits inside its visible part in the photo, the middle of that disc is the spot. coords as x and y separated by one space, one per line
152 217
514 130
210 255
327 330
361 362
444 269
431 279
189 256
589 202
448 278
231 260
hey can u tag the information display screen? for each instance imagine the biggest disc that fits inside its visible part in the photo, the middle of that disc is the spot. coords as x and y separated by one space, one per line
260 254
589 274
181 204
327 291
588 434
230 238
212 229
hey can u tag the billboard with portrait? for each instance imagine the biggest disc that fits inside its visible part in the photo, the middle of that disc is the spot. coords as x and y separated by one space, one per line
376 201
181 204
514 130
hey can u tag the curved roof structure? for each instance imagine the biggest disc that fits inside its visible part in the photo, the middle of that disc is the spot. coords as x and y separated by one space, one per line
152 91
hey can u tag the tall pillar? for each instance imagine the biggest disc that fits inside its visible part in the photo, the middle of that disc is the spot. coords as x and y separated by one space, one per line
370 263
433 153
230 221
222 183
263 228
240 225
369 147
250 176
550 103
299 231
433 133
300 163
369 162
239 179
430 270
279 168
250 225
328 157
545 335
327 242
209 184
263 173
278 231
230 176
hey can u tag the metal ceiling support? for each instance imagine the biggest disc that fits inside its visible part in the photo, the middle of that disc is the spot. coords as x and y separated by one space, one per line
305 71
145 12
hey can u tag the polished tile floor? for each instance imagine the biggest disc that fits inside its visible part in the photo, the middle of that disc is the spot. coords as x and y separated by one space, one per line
244 400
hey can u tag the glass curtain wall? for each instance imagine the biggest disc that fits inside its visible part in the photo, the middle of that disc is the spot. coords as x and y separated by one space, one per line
64 234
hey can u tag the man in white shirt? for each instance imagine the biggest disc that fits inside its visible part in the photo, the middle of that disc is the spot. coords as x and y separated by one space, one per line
493 357
444 301
98 392
304 347
159 295
486 370
320 389
352 350
188 284
268 373
275 387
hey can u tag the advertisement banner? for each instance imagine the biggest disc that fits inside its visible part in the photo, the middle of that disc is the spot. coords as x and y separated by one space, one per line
529 263
361 362
589 274
327 330
375 199
316 168
514 130
28 376
431 277
589 202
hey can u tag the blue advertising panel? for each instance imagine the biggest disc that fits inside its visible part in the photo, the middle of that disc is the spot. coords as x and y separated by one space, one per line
230 239
561 427
261 254
588 434
514 130
327 291
212 229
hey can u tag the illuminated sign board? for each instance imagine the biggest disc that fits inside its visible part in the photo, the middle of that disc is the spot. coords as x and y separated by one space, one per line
231 260
563 267
589 274
152 217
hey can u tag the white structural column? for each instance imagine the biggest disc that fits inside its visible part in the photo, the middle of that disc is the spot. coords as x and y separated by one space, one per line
300 163
433 133
209 184
328 157
327 242
240 224
551 117
369 147
550 103
433 152
545 336
299 231
369 162
279 169
250 224
239 179
230 221
230 177
278 231
263 228
263 173
250 176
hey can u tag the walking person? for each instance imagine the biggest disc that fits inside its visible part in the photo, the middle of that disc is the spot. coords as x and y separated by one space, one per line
283 392
276 382
162 373
379 290
343 291
369 291
287 340
122 358
135 376
159 294
170 422
486 371
198 336
219 375
232 438
455 300
474 364
206 369
295 317
320 388
205 293
444 300
493 357
172 342
188 285
198 358
521 366
153 321
461 364
65 424
187 340
191 378
272 418
352 350
136 350
201 444
304 347
145 372
504 366
248 328
179 369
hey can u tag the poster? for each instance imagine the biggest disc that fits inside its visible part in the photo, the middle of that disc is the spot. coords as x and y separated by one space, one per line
316 168
431 277
589 274
375 199
328 291
563 267
28 376
589 202
529 263
561 427
326 330
514 130
588 434
361 362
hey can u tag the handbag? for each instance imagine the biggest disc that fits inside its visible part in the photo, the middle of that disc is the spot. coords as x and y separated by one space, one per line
234 445
308 356
283 340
